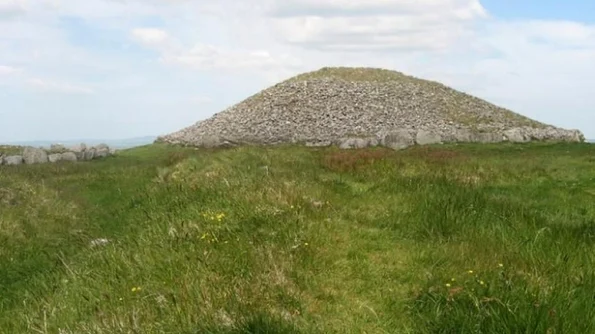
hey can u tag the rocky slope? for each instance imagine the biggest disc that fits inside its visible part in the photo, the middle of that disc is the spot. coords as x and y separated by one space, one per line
358 107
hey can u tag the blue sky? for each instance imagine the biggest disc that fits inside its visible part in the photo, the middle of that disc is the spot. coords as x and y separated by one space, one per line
574 10
116 69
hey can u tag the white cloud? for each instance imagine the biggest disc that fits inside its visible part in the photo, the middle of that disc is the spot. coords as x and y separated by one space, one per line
563 33
200 100
8 70
59 87
209 57
150 36
9 75
462 8
375 25
11 8
17 77
368 33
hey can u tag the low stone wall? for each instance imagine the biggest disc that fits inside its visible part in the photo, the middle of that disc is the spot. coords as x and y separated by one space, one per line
57 153
401 139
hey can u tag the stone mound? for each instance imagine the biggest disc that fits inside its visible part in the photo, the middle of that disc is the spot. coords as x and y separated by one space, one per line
359 107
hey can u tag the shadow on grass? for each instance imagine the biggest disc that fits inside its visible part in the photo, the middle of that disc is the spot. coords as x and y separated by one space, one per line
257 324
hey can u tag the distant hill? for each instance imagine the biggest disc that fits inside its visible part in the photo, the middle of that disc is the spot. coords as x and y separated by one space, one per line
114 143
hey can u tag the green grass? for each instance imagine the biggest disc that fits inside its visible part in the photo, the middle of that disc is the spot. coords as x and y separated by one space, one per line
446 239
358 74
10 150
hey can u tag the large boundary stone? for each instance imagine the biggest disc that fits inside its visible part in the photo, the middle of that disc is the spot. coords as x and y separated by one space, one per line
398 140
33 155
424 137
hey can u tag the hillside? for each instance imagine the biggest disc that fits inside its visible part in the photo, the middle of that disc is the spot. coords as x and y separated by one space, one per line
491 238
339 105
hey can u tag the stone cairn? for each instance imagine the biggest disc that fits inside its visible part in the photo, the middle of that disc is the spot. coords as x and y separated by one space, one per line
363 107
57 153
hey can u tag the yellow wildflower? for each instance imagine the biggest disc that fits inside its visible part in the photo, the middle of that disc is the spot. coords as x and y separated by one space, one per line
453 279
482 282
500 265
447 285
470 271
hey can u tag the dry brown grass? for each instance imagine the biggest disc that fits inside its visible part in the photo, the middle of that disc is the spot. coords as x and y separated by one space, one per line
436 156
349 161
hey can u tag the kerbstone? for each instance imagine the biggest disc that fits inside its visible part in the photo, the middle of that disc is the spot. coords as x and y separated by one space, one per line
13 160
398 140
55 157
424 137
32 155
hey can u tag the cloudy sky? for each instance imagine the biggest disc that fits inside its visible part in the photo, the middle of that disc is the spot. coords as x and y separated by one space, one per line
112 69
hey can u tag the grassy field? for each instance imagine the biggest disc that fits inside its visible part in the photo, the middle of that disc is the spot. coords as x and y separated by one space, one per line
450 239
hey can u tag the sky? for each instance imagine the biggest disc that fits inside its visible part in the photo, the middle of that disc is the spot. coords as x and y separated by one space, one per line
114 69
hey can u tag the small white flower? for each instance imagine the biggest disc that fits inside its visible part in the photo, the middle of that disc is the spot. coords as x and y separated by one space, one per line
99 242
